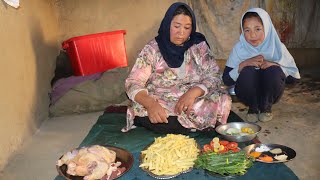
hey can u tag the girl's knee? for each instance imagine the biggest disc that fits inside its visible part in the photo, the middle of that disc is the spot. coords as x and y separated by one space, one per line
248 78
274 71
248 70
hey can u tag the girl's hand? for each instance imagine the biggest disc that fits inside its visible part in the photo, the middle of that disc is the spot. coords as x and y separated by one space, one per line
187 100
254 61
267 64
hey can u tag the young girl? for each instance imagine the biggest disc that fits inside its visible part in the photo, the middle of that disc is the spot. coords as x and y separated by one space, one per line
259 65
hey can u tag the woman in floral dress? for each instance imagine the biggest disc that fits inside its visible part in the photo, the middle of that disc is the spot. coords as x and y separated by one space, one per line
175 85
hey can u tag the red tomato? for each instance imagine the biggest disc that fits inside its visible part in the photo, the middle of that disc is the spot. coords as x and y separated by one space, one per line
235 150
225 143
211 144
232 145
207 148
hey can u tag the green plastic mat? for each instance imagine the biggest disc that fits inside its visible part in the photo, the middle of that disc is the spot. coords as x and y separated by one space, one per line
107 130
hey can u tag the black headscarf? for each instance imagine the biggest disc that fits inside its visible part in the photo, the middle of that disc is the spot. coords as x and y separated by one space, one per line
173 54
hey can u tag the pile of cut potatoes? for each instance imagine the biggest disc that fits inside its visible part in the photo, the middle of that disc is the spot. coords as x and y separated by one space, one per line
170 155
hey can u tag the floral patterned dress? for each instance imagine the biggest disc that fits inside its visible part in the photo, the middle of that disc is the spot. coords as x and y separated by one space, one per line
152 74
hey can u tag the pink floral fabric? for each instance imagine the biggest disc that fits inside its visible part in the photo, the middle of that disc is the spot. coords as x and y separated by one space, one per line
151 73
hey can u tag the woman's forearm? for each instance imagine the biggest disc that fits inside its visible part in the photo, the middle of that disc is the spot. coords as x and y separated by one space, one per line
195 92
144 99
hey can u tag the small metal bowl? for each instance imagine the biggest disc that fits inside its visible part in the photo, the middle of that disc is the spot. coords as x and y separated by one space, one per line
221 129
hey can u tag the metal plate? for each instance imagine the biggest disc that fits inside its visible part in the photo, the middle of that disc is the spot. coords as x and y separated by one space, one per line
165 176
122 155
238 125
285 150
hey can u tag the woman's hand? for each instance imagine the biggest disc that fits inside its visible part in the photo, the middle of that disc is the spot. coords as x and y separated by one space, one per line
156 112
254 61
187 100
266 64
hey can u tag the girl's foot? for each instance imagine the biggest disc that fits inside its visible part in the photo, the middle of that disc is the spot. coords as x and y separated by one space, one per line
252 117
265 117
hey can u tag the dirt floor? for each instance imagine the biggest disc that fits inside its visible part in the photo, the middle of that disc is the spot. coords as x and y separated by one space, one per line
295 124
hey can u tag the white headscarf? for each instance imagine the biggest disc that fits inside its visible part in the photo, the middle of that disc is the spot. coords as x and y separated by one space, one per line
272 49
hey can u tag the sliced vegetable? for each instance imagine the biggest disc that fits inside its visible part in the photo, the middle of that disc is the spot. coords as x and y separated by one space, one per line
221 148
232 145
224 150
225 143
207 148
212 144
235 150
250 131
244 129
281 157
266 158
276 151
216 145
216 150
215 139
255 154
232 131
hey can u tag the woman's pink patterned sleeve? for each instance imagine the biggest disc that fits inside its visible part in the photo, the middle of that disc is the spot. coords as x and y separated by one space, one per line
140 73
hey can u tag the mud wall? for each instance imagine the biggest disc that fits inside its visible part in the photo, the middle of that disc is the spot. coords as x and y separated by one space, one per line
28 48
140 19
296 21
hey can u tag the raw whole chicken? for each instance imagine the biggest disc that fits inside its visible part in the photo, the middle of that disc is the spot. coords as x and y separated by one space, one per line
91 162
